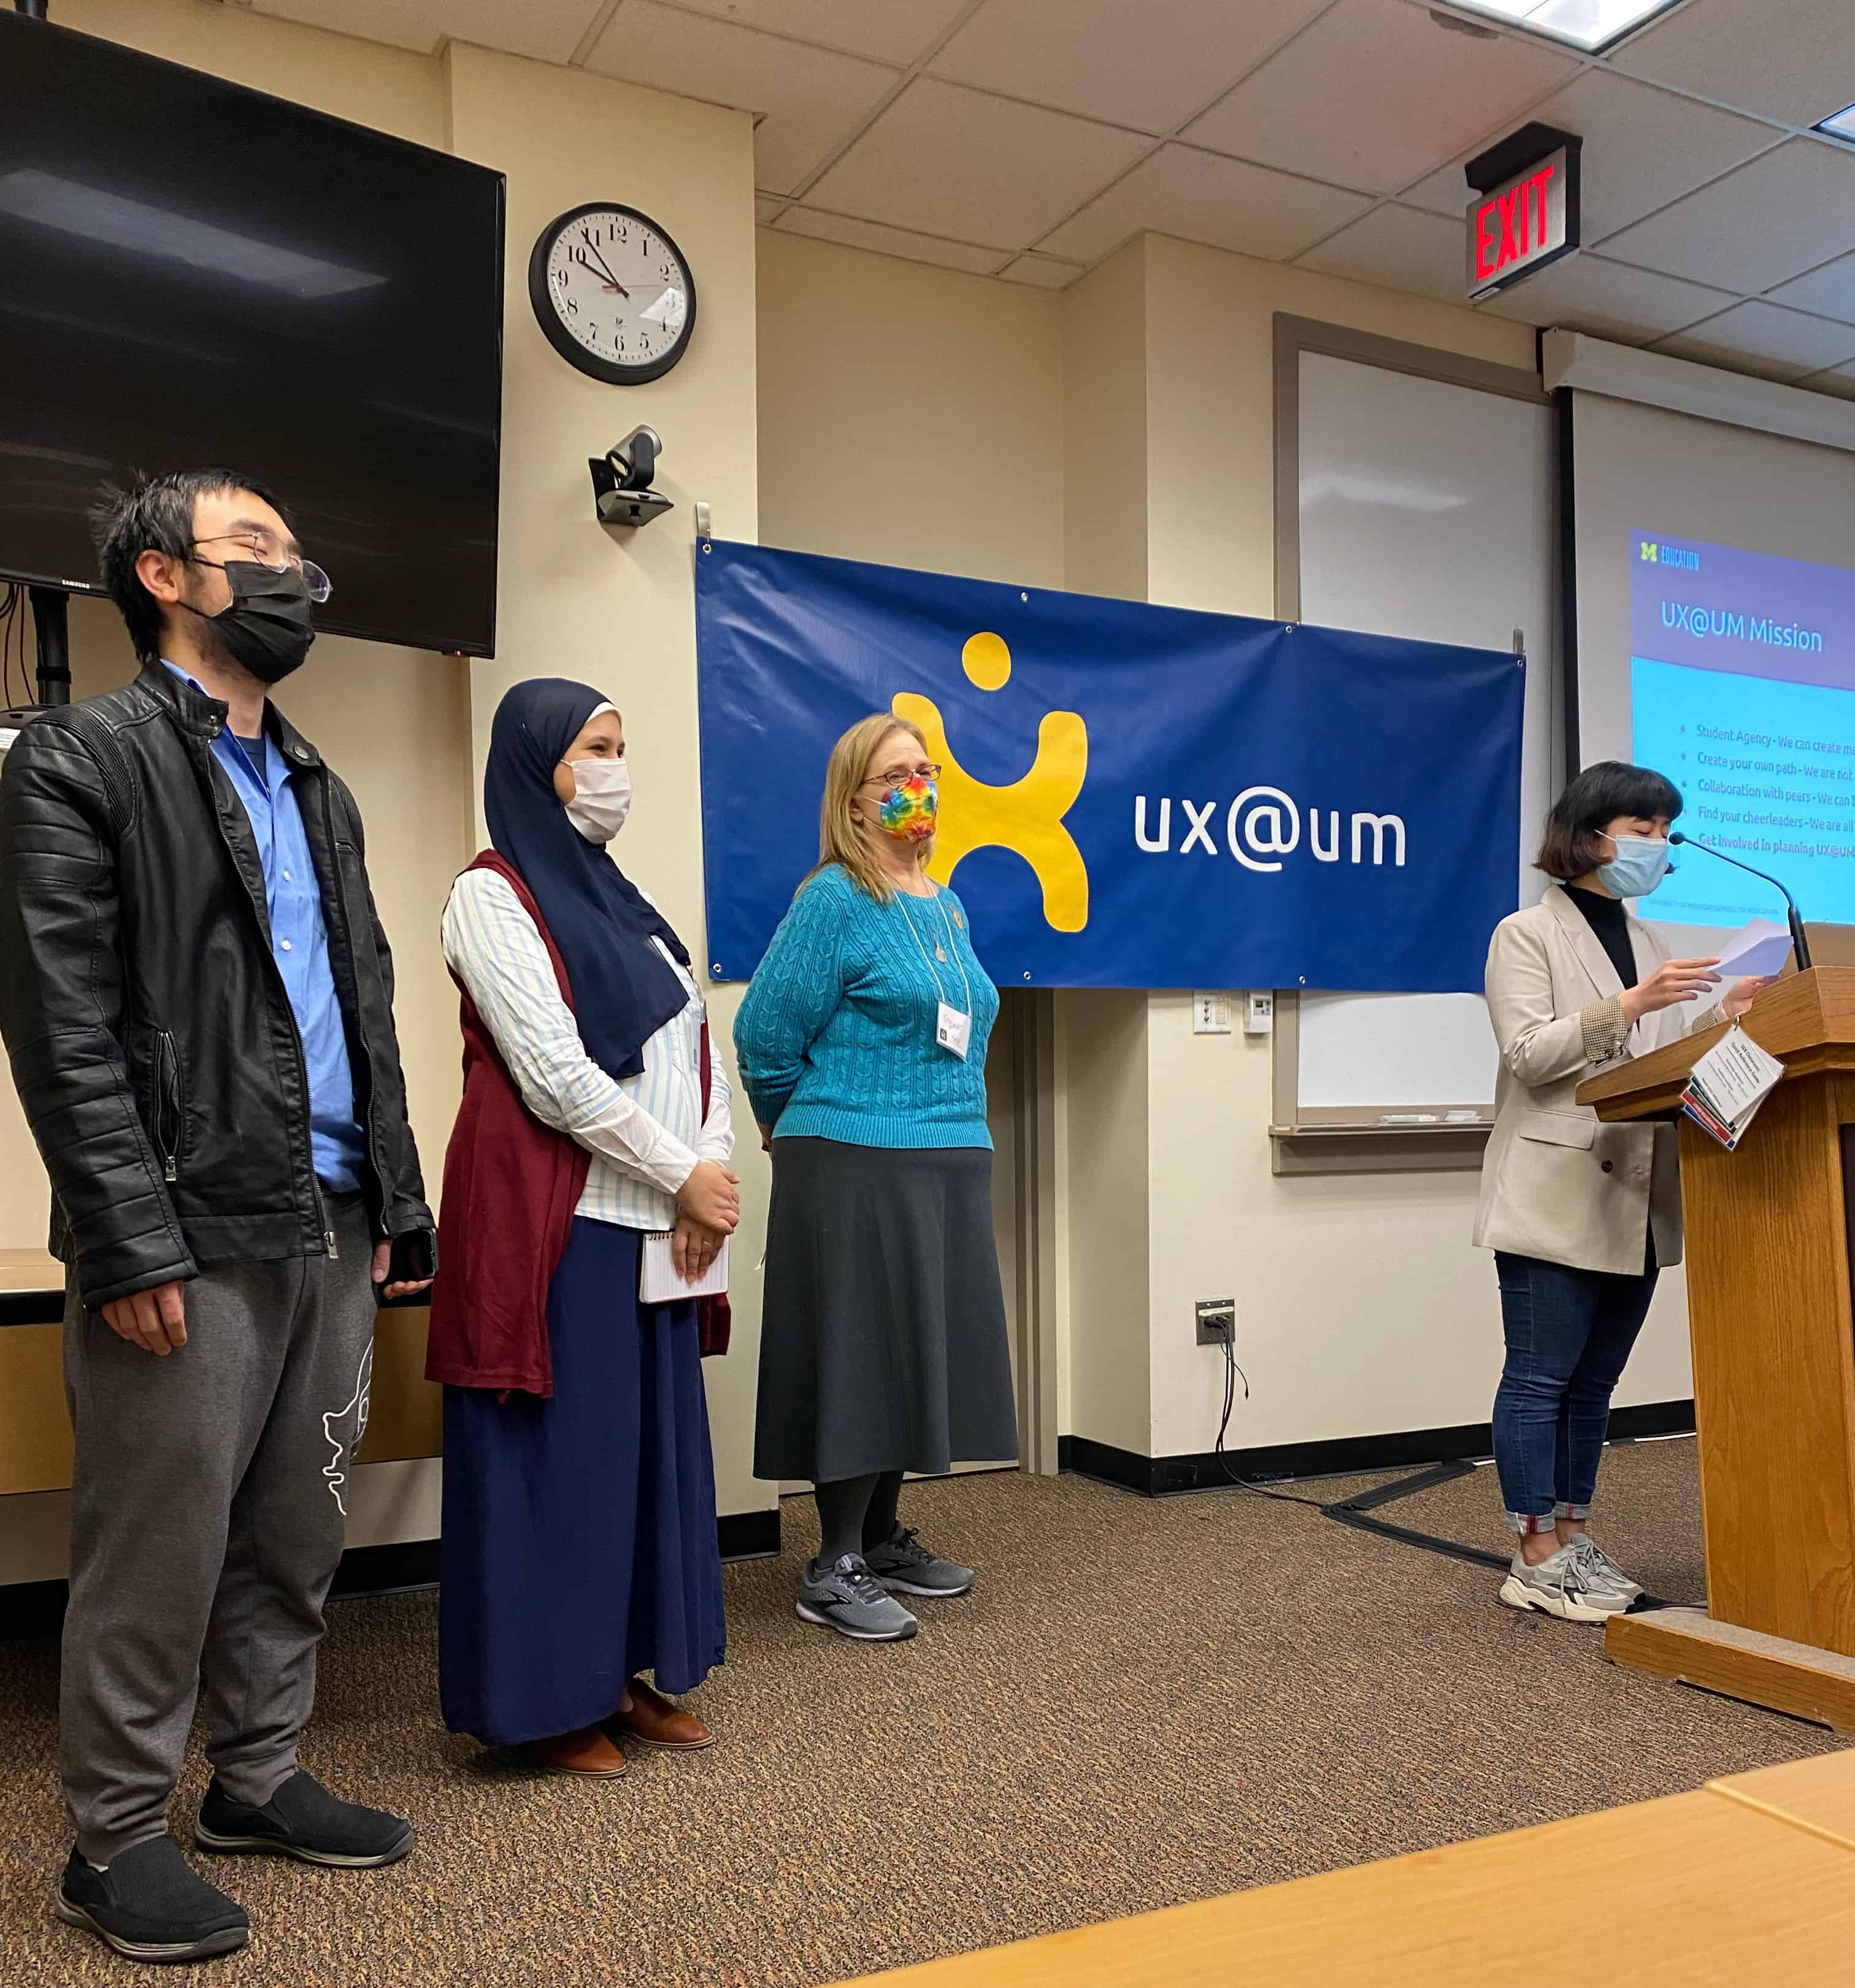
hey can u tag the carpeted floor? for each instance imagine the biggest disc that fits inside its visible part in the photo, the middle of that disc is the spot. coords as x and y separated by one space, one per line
1144 1703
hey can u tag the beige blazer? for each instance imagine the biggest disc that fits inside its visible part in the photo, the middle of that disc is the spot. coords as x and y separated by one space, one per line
1554 1182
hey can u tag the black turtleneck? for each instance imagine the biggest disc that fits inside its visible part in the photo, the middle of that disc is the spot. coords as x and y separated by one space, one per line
1605 916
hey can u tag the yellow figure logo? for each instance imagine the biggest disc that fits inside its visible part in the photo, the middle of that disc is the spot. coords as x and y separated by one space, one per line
1025 817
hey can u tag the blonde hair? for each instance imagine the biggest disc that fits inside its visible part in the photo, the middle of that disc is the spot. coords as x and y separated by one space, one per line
840 840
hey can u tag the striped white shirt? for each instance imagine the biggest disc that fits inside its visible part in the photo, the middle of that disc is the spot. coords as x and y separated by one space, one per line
645 1133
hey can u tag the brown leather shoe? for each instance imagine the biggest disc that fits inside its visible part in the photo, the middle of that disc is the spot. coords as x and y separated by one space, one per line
658 1721
587 1752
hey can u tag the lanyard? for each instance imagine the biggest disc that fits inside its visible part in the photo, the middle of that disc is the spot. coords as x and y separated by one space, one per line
941 992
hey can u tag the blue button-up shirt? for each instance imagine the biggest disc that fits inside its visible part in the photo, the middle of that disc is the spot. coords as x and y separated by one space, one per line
299 944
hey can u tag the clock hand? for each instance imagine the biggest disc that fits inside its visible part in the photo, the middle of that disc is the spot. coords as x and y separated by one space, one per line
586 235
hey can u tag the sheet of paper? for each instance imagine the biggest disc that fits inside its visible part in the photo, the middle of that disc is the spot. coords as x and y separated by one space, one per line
658 1284
1736 1076
1756 953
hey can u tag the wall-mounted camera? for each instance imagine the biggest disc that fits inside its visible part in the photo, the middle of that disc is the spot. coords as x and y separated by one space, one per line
621 480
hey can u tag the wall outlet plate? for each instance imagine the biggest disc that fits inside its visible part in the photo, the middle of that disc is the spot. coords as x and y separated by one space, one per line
1259 1012
1217 1321
1210 1014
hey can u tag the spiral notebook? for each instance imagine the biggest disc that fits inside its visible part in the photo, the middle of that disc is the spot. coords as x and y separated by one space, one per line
658 1280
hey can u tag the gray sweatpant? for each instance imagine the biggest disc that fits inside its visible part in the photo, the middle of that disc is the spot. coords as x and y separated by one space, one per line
209 1503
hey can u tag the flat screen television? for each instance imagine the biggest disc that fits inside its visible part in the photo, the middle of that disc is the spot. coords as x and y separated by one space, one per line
192 272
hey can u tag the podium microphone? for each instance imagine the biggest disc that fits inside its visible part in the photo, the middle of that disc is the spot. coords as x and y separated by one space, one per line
1801 945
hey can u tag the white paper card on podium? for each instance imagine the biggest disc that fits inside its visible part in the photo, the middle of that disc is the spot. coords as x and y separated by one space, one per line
1757 953
1737 1074
658 1280
1726 1086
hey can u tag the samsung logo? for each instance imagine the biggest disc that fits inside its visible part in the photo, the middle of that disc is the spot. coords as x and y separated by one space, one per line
1653 554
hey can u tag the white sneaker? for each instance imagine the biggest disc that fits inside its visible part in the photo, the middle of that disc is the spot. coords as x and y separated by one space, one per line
1603 1571
1567 1585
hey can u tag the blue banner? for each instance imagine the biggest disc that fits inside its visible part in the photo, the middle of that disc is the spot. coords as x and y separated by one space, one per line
1134 796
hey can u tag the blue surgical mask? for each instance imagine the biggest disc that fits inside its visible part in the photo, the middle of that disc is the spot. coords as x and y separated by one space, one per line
1640 863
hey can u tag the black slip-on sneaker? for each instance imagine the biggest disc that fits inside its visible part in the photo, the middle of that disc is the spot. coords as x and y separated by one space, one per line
151 1904
304 1820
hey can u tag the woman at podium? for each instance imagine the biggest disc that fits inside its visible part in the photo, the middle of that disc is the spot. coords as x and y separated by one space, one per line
1581 1215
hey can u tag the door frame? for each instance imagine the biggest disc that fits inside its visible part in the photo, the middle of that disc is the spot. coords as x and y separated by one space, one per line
1030 1019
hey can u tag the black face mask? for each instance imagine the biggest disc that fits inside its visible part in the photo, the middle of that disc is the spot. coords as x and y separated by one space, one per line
270 624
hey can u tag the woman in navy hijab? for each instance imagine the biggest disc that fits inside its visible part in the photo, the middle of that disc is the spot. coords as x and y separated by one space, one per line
578 1547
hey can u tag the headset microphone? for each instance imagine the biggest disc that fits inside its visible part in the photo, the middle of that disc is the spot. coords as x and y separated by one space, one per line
1801 944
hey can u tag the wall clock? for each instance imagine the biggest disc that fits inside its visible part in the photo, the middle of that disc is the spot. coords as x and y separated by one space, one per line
613 292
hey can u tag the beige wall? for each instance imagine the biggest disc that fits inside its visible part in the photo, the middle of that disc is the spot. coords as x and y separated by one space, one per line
910 416
1107 461
1116 438
407 729
1361 1306
617 609
914 416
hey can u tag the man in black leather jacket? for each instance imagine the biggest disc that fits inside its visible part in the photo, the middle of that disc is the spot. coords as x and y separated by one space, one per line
198 1000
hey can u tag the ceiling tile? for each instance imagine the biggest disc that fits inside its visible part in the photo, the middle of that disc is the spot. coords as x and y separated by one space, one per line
1643 147
1401 249
1044 270
1148 66
548 29
1443 191
809 100
1841 382
768 206
900 241
1795 61
1374 94
949 161
1829 291
1203 197
1763 338
1587 292
892 31
1781 213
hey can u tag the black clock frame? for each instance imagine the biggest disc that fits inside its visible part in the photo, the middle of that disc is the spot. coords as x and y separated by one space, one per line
541 300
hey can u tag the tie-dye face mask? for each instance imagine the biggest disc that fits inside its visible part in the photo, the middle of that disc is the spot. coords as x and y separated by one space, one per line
909 811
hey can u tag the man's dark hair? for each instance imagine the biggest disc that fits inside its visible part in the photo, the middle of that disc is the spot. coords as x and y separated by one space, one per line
155 514
1573 844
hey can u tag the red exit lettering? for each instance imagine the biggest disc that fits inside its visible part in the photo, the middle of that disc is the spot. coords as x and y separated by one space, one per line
1510 225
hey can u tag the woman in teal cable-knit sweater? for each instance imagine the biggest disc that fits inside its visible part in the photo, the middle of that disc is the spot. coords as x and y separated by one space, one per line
862 1044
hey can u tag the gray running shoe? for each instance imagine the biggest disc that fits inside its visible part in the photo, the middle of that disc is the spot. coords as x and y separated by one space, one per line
845 1597
1604 1572
904 1566
1565 1586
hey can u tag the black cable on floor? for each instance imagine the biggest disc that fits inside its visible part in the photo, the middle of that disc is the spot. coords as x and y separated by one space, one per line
1357 1511
1232 1374
1358 1514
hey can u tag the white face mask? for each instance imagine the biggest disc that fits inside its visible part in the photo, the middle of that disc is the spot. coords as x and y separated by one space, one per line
602 797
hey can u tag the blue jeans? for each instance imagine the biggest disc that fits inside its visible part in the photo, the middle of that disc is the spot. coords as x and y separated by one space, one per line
1569 1335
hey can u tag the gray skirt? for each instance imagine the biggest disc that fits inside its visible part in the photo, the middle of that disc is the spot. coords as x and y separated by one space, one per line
882 1340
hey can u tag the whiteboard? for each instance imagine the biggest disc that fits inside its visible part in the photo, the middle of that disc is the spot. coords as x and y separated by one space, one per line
1428 510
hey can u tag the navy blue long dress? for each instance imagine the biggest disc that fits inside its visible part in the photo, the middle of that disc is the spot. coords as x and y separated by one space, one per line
580 1544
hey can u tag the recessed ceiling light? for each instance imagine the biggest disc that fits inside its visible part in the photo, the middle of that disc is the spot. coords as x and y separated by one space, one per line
1841 125
1586 24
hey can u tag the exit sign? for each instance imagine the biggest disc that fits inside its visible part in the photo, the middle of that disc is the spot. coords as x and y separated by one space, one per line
1524 213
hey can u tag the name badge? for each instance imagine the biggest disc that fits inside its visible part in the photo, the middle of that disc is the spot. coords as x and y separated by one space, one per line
954 1031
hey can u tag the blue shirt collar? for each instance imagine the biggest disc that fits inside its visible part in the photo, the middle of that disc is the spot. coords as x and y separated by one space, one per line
276 769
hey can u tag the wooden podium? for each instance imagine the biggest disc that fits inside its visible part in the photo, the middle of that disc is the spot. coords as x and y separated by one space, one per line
1772 1322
